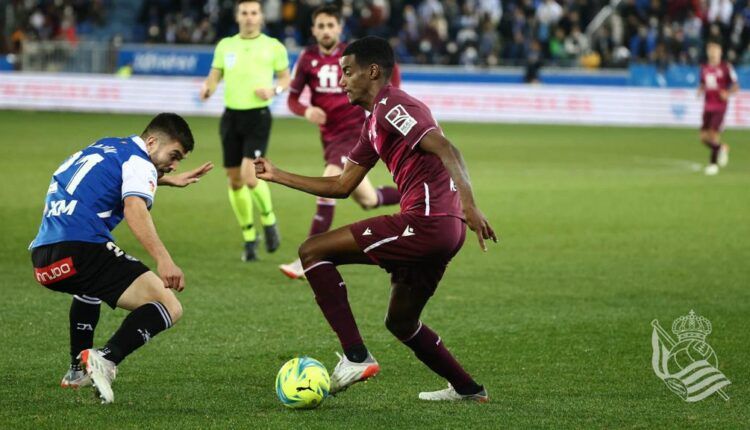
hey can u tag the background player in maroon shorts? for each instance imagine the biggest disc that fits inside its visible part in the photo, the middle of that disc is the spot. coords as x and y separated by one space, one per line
414 246
718 82
339 121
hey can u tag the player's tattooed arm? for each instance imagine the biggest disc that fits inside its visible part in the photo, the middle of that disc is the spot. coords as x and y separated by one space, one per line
186 178
437 144
140 223
333 187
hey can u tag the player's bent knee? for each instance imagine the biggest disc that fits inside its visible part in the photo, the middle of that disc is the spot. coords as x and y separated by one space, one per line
307 254
174 307
401 326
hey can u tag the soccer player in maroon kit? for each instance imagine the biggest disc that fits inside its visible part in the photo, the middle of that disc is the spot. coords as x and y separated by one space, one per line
718 82
414 246
339 121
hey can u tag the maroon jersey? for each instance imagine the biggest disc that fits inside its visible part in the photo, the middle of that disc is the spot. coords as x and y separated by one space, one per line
321 72
392 133
714 80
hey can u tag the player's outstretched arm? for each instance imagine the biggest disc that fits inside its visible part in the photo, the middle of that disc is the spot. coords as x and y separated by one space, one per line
210 84
186 178
333 187
437 144
140 223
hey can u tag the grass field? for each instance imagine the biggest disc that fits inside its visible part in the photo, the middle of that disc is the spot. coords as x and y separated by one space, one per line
603 230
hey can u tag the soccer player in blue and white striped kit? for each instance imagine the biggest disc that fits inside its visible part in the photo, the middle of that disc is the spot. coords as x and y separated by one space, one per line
74 251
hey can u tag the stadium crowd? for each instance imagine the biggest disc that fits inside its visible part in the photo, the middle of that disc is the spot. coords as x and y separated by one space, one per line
465 32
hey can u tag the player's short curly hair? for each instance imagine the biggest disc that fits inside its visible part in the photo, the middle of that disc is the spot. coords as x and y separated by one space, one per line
372 50
174 126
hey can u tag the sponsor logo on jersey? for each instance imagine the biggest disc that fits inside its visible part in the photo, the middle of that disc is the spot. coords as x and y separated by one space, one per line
55 272
400 118
60 207
408 231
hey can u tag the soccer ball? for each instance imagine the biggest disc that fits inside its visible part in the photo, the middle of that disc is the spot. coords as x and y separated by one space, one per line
302 383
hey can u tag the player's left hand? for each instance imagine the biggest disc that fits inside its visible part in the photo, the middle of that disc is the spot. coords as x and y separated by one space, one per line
265 93
189 177
724 95
263 169
477 222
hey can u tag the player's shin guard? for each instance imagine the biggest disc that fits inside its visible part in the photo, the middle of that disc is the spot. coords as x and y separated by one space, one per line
138 328
242 205
84 315
262 197
323 218
330 294
429 348
388 196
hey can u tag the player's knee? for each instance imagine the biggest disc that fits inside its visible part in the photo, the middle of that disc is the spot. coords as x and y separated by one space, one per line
174 307
401 326
368 204
307 252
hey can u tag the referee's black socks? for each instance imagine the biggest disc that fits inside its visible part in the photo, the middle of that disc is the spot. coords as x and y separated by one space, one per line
138 328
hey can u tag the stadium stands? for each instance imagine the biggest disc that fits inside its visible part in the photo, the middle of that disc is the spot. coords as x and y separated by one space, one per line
588 33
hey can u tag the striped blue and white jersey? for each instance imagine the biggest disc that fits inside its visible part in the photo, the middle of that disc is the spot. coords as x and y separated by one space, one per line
85 197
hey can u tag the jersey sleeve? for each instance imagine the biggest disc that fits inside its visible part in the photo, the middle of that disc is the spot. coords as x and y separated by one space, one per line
363 153
218 62
732 75
139 179
280 58
299 74
408 120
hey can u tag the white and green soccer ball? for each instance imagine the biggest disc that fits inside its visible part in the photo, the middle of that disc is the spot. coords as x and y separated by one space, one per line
302 383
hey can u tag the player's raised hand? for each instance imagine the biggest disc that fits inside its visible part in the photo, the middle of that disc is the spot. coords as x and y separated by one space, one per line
189 177
263 169
265 93
315 115
477 222
171 275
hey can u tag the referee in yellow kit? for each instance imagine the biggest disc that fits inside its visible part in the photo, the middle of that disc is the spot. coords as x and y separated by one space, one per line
248 62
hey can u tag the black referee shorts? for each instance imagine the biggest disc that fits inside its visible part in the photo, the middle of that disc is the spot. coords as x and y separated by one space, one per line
100 270
244 133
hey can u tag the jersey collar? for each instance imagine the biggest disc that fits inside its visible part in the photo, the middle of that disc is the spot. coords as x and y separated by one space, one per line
138 141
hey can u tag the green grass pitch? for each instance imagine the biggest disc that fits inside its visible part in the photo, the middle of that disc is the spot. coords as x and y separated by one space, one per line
602 230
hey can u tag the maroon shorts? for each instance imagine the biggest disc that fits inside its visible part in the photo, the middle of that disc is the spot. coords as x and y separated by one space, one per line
414 249
713 120
337 147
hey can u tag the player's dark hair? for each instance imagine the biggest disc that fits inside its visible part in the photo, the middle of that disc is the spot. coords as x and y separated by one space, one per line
713 41
174 126
327 9
372 50
237 3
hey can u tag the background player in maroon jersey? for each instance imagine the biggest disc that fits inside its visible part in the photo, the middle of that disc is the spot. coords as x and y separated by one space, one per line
339 121
414 246
718 82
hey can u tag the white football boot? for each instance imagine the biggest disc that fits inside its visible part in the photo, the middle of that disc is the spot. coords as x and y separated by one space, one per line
723 155
711 170
101 371
75 378
293 270
451 395
347 372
